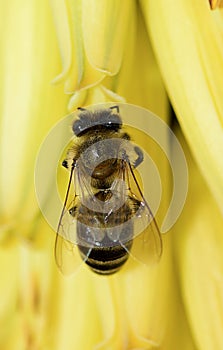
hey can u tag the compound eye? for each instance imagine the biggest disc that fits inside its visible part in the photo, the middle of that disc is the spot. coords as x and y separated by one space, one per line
115 119
77 127
110 119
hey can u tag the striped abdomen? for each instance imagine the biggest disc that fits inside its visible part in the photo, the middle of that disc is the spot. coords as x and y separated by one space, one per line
105 260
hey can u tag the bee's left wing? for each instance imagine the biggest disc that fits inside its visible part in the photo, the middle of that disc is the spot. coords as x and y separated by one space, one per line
147 242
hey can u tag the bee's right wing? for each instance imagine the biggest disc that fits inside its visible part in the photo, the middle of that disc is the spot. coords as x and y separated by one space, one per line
66 254
66 250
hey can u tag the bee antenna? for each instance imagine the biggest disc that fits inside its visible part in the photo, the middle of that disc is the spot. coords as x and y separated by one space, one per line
115 107
81 109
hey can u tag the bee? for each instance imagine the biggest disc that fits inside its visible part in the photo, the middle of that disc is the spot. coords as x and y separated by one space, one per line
105 217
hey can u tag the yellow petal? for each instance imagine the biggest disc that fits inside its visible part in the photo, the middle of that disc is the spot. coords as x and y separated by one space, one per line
89 48
215 3
76 73
198 247
105 32
9 290
187 38
139 79
61 15
30 104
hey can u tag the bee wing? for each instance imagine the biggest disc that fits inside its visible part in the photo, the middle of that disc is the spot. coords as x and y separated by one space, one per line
147 245
147 242
67 257
66 251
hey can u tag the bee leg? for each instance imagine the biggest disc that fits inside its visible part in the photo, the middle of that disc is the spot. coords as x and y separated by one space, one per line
125 136
73 211
65 164
140 155
81 109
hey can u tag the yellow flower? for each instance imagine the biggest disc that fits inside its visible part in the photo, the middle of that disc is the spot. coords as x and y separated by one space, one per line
189 50
199 255
93 52
187 38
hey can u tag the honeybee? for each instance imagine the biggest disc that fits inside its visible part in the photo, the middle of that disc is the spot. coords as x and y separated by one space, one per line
107 218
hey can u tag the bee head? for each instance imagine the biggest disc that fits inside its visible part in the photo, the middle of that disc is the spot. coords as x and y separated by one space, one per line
102 119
